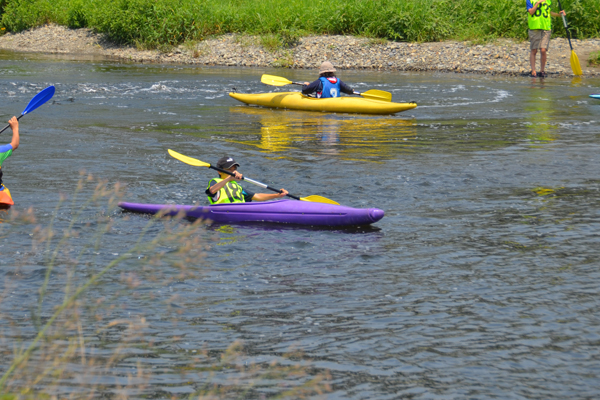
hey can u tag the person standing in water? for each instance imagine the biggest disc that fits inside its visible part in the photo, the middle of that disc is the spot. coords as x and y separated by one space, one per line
328 85
540 30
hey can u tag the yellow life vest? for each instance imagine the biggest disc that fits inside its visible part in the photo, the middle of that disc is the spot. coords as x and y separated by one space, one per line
230 193
541 17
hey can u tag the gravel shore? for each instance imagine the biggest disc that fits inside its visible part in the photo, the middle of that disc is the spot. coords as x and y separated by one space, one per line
503 56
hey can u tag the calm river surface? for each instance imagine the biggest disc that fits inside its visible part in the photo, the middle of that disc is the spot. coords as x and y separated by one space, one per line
482 280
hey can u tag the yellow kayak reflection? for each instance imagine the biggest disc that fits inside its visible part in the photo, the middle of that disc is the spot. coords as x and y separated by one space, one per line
361 138
541 108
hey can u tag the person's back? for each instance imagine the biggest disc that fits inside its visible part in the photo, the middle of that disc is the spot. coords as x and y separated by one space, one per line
328 85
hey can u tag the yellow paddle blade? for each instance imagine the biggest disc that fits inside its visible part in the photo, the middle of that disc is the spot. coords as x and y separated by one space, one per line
319 199
188 160
575 64
274 80
375 94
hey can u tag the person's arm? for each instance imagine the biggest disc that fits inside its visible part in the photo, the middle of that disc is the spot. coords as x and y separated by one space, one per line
531 9
345 88
269 196
218 186
14 125
558 14
309 88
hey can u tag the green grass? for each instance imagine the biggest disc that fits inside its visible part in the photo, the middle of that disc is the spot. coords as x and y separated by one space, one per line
152 23
594 59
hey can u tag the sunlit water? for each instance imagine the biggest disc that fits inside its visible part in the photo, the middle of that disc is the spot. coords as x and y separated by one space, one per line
481 281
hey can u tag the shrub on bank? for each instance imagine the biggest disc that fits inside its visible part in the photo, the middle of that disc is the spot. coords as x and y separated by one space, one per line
152 23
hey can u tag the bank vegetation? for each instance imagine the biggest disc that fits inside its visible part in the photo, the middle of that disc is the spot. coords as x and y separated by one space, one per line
151 24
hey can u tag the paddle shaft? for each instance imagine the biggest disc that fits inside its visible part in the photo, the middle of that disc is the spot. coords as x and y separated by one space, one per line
302 84
257 183
356 93
565 24
369 94
7 126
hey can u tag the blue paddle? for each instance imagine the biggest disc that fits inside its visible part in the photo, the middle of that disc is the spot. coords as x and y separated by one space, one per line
37 101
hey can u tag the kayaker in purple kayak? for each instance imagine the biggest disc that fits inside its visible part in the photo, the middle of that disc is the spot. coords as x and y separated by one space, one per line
328 85
225 188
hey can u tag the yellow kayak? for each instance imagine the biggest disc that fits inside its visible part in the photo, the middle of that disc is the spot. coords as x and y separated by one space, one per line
347 104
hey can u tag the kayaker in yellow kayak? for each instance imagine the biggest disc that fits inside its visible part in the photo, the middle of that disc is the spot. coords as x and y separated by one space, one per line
225 189
328 85
7 149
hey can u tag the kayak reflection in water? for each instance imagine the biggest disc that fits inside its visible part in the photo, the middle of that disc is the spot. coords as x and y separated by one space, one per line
328 85
7 149
225 189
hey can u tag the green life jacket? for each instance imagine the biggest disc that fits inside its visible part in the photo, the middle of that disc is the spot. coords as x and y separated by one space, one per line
541 17
4 156
230 193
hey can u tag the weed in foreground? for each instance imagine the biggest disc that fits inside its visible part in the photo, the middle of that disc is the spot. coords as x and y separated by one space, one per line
74 340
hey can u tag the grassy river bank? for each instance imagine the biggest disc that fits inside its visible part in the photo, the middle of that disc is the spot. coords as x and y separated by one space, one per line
500 56
458 36
157 23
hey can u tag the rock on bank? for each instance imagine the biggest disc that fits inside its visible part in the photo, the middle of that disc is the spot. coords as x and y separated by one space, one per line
346 52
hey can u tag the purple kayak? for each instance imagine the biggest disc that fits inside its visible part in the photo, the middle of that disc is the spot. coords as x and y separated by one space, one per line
277 211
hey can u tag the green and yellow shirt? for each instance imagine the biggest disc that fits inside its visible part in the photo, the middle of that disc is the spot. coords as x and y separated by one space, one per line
541 17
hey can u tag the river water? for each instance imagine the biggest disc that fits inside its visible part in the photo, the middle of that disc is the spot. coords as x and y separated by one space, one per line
481 281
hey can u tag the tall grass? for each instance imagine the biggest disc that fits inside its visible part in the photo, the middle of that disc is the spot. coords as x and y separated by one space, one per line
76 341
151 23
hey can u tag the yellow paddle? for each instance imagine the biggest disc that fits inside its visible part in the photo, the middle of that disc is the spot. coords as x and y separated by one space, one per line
372 94
198 163
574 59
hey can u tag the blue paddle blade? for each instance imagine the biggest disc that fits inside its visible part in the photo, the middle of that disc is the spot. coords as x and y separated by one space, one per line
39 99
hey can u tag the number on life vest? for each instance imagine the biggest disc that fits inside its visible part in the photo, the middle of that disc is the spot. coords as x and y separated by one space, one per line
539 10
233 192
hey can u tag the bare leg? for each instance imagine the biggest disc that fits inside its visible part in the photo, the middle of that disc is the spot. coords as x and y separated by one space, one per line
543 60
532 61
